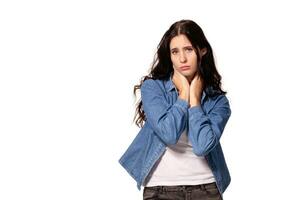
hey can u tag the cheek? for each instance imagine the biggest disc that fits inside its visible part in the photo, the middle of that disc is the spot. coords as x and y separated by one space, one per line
173 60
194 59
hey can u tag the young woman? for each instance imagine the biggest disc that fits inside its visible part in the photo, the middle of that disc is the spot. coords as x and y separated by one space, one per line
177 153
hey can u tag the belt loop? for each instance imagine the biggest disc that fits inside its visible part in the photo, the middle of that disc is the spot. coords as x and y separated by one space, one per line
161 188
182 187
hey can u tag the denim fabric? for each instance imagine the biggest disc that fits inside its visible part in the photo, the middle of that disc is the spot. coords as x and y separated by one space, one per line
183 192
167 116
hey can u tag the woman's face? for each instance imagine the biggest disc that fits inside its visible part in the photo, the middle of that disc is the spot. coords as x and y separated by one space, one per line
183 56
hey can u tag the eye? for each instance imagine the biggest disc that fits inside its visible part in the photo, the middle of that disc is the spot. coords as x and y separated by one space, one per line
189 49
174 52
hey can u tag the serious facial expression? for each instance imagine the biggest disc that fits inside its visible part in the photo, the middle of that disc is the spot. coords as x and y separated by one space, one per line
183 56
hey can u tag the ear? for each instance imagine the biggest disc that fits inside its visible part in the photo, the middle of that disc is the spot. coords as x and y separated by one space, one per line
203 51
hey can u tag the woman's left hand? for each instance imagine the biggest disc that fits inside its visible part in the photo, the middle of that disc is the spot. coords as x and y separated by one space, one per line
196 88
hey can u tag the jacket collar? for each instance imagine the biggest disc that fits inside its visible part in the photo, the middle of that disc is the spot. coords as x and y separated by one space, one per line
170 86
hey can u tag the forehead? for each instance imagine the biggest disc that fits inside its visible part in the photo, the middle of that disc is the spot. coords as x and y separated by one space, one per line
179 40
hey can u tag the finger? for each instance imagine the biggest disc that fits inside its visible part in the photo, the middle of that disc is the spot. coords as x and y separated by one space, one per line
195 77
175 72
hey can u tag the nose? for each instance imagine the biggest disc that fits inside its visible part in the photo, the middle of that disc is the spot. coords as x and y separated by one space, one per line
182 57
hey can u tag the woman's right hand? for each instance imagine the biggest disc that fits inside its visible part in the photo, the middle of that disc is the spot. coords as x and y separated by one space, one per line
182 85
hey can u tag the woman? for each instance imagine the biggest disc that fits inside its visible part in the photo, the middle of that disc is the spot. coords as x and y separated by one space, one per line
177 153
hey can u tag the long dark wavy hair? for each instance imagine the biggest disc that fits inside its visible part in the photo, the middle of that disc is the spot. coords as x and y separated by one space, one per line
162 66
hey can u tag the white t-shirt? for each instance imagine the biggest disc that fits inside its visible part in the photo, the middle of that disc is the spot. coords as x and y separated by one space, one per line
180 166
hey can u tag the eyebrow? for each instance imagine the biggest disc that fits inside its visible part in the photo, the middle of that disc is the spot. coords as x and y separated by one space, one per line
189 46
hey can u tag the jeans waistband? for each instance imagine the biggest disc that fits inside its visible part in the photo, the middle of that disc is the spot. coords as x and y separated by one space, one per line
182 187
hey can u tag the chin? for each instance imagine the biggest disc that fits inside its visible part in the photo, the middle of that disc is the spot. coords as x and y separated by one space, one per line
188 74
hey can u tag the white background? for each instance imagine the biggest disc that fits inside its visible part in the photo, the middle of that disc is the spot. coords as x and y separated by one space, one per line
67 71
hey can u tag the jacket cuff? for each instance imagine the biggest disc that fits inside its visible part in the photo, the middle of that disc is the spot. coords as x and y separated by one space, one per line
183 104
196 109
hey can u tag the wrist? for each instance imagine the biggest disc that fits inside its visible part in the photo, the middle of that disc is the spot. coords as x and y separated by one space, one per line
184 95
194 101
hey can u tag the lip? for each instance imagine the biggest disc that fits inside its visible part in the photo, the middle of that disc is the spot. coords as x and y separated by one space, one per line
185 67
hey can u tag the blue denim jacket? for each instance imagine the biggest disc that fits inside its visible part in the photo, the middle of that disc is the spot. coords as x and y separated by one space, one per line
167 116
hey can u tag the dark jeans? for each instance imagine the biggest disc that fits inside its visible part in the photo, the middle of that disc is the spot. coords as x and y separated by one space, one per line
183 192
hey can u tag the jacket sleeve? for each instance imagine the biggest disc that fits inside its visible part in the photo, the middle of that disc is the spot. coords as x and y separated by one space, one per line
168 121
205 130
